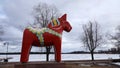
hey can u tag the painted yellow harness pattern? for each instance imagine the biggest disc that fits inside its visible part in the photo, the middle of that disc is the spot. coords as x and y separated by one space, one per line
39 33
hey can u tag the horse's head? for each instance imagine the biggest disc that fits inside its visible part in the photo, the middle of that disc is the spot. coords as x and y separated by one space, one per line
60 23
65 24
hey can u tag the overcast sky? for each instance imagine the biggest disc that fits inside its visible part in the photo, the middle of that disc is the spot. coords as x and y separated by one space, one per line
15 13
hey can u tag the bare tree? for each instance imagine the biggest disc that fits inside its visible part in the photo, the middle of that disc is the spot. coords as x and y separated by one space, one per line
91 37
116 38
43 13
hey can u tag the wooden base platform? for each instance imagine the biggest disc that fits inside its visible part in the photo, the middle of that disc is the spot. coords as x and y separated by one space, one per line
63 64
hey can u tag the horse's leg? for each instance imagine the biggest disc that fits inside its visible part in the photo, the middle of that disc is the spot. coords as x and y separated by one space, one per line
26 47
58 51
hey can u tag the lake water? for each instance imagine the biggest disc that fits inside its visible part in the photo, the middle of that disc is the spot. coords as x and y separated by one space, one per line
42 57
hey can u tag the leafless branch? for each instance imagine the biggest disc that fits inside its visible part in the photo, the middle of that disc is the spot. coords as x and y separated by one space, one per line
43 13
91 37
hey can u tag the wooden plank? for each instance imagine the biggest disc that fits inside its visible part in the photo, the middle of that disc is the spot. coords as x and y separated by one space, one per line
63 64
54 65
7 66
41 65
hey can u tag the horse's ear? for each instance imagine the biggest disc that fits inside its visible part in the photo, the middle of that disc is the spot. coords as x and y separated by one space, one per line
64 17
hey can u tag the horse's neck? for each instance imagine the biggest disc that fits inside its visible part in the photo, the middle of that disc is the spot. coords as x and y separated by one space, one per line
58 29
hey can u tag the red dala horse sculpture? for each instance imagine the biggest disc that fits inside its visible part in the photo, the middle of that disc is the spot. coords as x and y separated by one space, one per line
50 36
